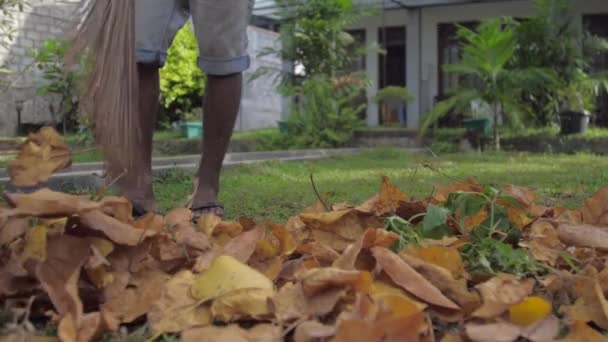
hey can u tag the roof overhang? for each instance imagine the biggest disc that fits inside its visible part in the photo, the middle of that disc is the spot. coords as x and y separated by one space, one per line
269 9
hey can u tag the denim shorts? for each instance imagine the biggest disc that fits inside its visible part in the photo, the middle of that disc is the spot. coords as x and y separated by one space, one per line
220 27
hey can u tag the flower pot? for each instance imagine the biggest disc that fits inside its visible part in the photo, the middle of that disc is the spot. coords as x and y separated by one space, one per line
283 128
574 122
480 126
192 129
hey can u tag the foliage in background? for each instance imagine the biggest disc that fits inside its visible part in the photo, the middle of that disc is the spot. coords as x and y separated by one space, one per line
60 81
182 82
487 52
8 8
324 116
392 93
551 39
314 40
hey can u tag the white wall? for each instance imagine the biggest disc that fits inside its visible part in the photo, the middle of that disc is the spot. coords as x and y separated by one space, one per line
422 43
262 105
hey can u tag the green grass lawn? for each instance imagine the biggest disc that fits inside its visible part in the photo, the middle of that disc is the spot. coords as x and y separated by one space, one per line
274 191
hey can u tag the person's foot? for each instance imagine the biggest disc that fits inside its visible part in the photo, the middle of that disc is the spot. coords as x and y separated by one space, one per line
205 201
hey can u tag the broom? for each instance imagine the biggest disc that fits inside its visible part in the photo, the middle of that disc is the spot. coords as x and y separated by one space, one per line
105 36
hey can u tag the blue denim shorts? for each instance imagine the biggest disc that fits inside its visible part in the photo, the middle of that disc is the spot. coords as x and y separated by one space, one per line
220 27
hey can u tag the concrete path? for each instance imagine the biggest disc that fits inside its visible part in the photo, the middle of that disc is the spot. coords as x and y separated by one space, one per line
88 175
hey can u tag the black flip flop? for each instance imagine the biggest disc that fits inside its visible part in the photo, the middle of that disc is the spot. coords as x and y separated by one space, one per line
209 208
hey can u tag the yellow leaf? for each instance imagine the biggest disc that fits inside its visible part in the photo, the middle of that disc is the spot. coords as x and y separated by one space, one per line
581 332
529 311
242 304
227 274
446 257
35 244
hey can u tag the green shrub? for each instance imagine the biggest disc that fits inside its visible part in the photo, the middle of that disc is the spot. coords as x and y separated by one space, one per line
59 80
325 115
394 93
182 83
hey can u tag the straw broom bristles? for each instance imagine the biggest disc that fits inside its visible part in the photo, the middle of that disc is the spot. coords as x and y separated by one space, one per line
106 36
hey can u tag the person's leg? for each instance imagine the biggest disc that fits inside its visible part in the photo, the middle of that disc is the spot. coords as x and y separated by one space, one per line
221 29
222 101
156 24
137 183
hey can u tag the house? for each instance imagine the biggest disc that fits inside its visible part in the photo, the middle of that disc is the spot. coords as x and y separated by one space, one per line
419 37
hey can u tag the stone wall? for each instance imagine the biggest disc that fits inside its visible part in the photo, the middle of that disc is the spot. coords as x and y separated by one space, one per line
48 19
41 20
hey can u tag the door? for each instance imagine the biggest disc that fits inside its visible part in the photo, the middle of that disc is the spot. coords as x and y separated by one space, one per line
392 69
597 24
449 52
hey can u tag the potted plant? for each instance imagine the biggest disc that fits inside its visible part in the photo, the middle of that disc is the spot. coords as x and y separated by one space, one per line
577 101
395 98
192 125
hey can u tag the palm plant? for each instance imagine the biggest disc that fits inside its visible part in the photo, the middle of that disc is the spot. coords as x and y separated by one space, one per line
486 54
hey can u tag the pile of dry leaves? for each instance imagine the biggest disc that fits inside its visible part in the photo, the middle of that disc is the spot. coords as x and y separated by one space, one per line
89 268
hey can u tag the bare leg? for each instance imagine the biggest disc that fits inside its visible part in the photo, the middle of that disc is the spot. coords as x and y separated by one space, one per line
222 101
137 183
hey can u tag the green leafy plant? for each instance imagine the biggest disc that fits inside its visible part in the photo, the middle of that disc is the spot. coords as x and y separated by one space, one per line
486 54
324 116
182 83
314 39
552 39
61 81
492 246
393 93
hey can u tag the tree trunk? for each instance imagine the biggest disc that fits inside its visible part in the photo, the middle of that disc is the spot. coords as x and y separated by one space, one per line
495 129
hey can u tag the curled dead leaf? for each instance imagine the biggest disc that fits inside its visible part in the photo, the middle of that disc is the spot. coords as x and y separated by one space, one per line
584 235
500 292
410 280
234 333
176 310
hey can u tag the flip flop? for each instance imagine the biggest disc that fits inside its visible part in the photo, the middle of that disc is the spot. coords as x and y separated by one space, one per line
209 208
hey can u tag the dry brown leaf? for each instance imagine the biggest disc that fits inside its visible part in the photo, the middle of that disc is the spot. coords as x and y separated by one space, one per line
389 198
595 209
137 297
150 221
443 191
524 196
590 305
545 330
117 231
584 235
391 328
581 332
13 229
409 209
41 155
208 222
337 229
47 203
312 331
324 255
492 332
243 246
455 290
234 333
35 245
543 242
290 303
177 217
60 272
406 277
500 292
177 310
320 279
